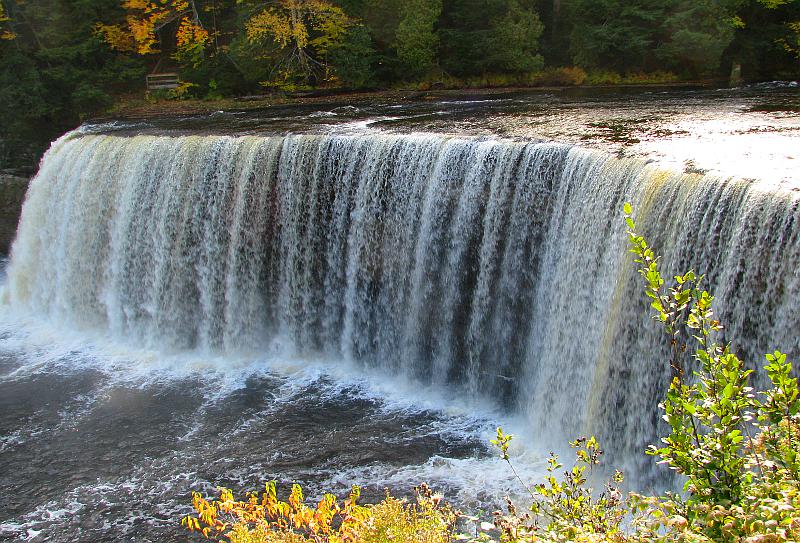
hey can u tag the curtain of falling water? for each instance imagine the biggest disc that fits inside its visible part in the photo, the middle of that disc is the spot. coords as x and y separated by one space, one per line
493 266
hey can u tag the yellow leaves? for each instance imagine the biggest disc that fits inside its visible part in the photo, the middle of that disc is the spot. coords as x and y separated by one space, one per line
271 24
191 523
5 33
206 521
225 495
143 34
296 497
265 519
117 37
136 4
327 509
145 18
191 34
331 22
294 22
192 40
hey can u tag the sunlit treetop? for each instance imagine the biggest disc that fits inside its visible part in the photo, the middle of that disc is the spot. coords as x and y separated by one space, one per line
145 18
300 23
192 40
305 30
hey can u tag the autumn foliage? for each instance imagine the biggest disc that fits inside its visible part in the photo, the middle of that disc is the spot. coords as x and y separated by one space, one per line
266 519
304 31
146 17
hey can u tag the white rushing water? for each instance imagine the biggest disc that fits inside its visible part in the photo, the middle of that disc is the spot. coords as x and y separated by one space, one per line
492 267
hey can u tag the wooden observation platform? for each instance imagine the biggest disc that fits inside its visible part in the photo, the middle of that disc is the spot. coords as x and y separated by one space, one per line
165 80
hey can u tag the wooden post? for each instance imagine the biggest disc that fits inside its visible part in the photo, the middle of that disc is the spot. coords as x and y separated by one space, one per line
736 75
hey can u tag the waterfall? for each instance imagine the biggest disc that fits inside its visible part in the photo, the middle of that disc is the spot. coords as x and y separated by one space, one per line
496 267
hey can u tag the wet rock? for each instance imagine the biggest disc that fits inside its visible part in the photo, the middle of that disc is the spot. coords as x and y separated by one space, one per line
12 194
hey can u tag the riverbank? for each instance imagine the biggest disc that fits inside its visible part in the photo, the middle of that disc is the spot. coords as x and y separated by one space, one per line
134 107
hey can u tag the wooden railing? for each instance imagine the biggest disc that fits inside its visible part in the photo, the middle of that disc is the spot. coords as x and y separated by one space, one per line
162 81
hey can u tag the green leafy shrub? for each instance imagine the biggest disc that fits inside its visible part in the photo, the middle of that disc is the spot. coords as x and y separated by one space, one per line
737 451
603 77
565 509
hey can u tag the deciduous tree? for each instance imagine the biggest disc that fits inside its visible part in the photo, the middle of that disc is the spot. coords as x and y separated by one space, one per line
304 33
146 18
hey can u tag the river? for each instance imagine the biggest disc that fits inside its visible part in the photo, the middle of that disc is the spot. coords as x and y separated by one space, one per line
361 292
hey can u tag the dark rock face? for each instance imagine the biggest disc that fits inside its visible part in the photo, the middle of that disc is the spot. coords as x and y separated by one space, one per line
12 194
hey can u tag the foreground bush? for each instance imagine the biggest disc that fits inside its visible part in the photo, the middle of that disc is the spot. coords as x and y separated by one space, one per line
737 450
266 519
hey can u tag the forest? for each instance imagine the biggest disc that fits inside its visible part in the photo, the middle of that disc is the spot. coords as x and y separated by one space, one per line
64 60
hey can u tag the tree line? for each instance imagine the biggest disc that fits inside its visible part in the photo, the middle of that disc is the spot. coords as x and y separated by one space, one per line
61 60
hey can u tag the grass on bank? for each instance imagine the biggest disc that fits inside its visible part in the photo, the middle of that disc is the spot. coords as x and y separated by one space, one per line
567 76
192 99
737 450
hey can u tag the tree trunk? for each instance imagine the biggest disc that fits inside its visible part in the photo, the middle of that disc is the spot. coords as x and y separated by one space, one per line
556 17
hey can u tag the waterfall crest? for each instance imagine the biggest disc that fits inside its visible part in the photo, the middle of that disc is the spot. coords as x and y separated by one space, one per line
495 266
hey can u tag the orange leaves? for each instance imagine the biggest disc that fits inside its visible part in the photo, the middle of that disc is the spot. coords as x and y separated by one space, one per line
143 33
327 509
226 517
145 18
206 521
191 34
192 41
